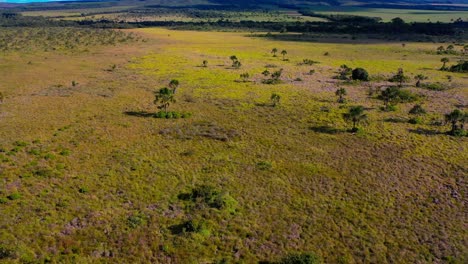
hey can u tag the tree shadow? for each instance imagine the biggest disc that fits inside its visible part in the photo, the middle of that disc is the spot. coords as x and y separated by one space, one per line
428 132
396 120
264 104
139 113
327 130
178 229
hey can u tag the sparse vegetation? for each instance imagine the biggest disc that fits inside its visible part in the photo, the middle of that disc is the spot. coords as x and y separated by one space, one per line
90 172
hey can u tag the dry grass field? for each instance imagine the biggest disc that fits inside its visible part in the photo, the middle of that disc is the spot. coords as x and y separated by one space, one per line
89 176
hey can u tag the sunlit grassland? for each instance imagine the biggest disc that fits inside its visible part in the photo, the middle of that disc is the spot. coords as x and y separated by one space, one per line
87 166
408 15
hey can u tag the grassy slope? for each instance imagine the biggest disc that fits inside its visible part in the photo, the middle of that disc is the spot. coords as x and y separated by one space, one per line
384 195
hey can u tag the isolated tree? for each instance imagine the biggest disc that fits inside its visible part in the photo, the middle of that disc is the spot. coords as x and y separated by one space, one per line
419 78
450 48
245 76
277 74
417 110
163 98
344 72
341 92
399 77
233 58
355 115
284 52
440 50
174 84
389 96
205 63
360 74
275 99
274 51
456 119
444 61
237 64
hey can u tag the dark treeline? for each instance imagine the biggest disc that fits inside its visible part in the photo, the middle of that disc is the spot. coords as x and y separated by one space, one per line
417 7
397 26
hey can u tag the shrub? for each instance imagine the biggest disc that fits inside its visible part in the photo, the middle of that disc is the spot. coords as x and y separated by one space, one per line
417 110
212 197
462 66
83 190
264 165
196 226
360 74
172 115
309 62
415 120
437 86
14 196
136 220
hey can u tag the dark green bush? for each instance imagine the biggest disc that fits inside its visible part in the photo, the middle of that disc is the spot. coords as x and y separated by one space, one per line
462 66
360 74
172 115
415 120
14 196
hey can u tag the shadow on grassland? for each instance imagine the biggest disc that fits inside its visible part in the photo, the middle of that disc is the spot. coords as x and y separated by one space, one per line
139 113
423 131
327 130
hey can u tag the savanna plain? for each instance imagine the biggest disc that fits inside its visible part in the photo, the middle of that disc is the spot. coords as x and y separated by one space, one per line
253 160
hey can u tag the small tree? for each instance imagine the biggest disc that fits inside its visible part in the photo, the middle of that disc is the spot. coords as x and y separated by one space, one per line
274 51
444 61
245 76
355 115
205 63
163 98
456 119
360 74
440 50
275 99
233 58
344 72
416 111
389 96
174 84
266 72
284 53
419 78
341 92
237 64
399 77
277 74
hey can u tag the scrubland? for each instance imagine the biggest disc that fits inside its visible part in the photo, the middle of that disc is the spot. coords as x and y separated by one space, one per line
88 175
